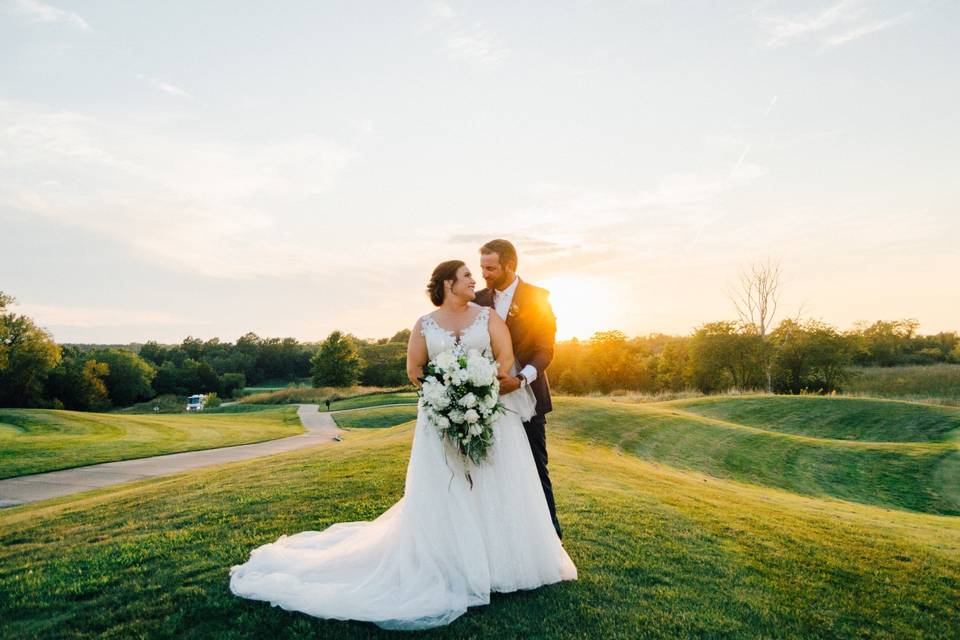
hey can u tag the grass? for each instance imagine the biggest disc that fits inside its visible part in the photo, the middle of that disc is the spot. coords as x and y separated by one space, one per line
376 417
312 395
935 383
37 440
662 553
838 418
918 476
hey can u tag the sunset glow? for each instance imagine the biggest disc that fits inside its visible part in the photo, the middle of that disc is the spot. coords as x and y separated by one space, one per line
583 306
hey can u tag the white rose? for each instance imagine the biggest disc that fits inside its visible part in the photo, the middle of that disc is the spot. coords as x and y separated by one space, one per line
456 417
471 416
468 401
446 361
476 429
443 422
481 371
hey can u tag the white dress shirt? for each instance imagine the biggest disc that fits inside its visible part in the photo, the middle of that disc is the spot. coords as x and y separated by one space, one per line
502 301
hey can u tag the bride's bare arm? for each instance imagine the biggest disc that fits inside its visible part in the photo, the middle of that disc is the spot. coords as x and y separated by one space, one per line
501 342
416 355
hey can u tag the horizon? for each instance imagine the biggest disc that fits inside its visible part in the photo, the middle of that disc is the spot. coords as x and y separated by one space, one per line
178 170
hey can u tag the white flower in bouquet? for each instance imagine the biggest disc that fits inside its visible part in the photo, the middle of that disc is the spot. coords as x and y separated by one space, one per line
447 362
480 370
471 416
475 429
456 416
469 401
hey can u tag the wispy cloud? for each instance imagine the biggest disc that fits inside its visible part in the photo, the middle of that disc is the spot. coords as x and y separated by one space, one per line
166 87
859 32
35 11
773 101
462 41
837 24
187 205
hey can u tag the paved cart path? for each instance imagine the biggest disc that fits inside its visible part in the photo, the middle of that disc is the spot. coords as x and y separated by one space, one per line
39 486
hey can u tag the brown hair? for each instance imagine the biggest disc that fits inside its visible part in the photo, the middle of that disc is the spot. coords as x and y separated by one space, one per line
444 271
504 250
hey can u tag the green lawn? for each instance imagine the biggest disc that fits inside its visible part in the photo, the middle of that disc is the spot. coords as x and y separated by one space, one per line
376 417
292 395
36 440
402 397
919 476
837 418
662 553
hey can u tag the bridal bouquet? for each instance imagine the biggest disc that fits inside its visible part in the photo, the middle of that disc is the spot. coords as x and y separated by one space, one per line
461 398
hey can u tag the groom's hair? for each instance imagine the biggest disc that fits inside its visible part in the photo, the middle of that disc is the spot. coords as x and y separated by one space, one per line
504 250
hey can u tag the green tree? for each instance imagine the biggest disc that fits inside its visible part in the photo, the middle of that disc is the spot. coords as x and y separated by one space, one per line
402 336
724 356
385 364
610 360
810 356
129 377
27 355
153 352
336 363
78 382
674 368
230 383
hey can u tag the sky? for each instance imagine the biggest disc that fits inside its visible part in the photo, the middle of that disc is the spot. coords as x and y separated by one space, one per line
208 169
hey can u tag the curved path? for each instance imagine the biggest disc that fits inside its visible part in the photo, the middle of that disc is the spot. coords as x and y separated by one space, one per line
39 486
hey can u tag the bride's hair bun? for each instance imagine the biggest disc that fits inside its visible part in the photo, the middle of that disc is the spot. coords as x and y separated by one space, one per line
444 271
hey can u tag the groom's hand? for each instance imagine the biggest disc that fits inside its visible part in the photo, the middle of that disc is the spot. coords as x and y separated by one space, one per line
508 383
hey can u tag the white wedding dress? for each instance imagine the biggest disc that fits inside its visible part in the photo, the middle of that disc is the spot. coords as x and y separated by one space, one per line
443 547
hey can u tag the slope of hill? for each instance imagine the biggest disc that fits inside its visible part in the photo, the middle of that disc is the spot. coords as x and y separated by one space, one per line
919 476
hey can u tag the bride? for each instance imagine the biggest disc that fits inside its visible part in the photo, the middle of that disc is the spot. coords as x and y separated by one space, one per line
445 545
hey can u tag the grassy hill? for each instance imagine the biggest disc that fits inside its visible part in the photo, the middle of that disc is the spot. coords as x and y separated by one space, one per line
341 398
375 417
664 550
919 476
36 440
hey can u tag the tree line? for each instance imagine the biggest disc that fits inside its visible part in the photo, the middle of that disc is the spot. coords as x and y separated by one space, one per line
796 356
37 372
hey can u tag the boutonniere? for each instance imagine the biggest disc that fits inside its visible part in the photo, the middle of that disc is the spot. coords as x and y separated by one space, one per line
514 310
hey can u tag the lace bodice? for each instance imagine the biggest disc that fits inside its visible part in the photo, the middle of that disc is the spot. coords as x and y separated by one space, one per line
475 336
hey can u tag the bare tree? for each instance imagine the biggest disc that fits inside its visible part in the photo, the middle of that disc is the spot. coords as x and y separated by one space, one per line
756 299
757 295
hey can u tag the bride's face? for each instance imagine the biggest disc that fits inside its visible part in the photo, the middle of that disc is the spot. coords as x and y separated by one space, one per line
464 286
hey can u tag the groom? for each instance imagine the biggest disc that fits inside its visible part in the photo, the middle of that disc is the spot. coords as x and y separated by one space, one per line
533 328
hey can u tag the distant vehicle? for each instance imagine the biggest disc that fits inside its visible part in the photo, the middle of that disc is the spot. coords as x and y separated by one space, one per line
195 403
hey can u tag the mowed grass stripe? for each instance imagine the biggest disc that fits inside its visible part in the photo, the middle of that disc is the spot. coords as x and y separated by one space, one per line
375 417
912 476
41 440
833 417
662 553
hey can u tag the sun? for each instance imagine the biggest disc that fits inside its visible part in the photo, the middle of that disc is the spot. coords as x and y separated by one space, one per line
582 305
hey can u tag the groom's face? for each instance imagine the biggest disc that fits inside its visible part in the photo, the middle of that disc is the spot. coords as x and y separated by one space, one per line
496 275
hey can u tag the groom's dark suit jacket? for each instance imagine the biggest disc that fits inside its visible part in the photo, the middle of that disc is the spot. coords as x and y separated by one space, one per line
533 329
